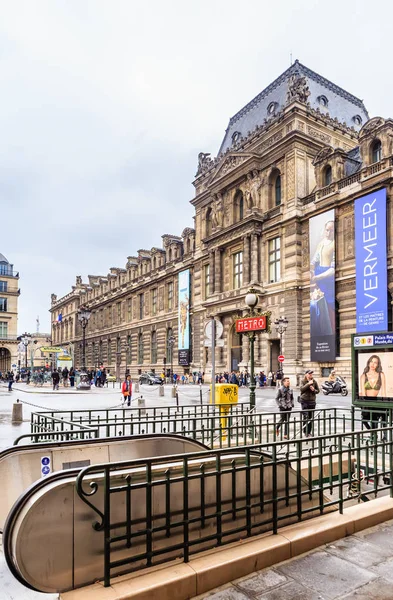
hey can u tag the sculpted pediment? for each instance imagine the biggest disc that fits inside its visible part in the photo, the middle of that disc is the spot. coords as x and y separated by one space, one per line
231 162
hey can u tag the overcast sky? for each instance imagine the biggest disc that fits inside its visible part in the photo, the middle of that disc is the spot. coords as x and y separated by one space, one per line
105 105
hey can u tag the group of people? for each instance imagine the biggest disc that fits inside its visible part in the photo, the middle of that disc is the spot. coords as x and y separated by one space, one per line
64 375
285 402
243 378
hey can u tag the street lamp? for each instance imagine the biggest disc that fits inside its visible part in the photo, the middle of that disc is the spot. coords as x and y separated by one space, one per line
171 343
83 317
251 301
281 325
25 342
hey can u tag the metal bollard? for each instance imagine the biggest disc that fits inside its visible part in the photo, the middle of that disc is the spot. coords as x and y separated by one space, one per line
173 391
161 390
17 412
142 406
137 386
200 393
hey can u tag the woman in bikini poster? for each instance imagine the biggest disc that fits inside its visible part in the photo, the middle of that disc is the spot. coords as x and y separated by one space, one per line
375 373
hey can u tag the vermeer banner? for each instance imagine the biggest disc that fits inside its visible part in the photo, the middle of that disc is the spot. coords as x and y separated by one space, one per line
184 317
371 271
322 287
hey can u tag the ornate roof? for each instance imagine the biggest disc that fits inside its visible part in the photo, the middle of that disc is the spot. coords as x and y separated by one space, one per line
328 97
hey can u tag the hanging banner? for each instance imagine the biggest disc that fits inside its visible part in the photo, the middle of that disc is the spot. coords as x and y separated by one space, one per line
371 266
184 317
322 287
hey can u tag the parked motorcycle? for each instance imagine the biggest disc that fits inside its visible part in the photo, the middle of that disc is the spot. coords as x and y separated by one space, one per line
335 387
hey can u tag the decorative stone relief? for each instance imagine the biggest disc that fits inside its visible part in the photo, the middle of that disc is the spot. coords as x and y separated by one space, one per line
291 178
318 135
297 89
348 241
306 251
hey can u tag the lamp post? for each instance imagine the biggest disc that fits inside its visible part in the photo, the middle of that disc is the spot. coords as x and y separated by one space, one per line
83 317
25 342
171 343
251 301
281 325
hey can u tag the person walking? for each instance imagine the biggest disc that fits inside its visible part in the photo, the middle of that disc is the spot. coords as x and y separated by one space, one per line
126 390
284 399
72 377
10 380
308 394
55 380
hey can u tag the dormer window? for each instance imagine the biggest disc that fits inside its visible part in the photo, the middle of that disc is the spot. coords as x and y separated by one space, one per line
236 137
357 119
271 109
327 175
323 101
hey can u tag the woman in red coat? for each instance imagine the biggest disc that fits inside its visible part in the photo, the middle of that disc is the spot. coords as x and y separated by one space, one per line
126 390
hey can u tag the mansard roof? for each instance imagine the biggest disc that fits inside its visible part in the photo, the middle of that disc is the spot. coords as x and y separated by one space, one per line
340 104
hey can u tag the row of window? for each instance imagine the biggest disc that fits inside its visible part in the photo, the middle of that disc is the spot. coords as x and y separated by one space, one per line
95 351
274 257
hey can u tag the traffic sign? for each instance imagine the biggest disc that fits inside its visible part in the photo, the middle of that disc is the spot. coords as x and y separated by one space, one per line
209 327
281 358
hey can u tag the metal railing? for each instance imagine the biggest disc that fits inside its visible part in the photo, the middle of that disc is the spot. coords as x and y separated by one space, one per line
154 510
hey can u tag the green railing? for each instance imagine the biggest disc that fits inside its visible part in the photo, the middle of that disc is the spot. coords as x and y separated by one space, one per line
153 510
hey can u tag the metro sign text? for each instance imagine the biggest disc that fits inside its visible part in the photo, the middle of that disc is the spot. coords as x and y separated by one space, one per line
251 324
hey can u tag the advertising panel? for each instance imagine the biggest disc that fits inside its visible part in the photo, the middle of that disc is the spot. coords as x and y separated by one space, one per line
375 374
371 271
184 317
322 287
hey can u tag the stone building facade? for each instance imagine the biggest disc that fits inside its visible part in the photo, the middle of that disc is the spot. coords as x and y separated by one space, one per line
9 294
301 147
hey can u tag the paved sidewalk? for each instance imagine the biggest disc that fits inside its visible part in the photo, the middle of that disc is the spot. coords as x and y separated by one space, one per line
359 567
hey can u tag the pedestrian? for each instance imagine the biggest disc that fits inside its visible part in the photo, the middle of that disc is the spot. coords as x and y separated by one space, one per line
55 380
64 374
72 376
308 394
279 377
126 390
284 399
10 380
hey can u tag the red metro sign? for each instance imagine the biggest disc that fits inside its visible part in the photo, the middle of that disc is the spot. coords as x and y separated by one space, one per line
251 324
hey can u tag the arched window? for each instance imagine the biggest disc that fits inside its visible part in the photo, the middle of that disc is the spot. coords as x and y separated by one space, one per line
376 151
140 349
238 206
154 262
208 224
277 190
153 347
327 175
109 352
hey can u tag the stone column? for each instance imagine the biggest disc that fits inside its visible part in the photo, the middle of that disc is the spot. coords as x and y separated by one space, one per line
212 274
254 258
217 274
262 262
246 260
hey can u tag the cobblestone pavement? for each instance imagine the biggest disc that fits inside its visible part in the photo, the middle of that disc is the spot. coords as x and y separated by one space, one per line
359 567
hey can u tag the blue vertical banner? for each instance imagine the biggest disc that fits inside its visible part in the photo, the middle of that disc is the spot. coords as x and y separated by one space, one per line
184 317
322 287
371 263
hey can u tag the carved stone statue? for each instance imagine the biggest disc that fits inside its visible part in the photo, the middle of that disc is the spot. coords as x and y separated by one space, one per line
218 210
252 190
204 162
78 280
298 89
247 191
53 298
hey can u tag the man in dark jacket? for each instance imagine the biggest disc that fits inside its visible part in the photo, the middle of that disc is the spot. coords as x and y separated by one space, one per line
284 399
308 393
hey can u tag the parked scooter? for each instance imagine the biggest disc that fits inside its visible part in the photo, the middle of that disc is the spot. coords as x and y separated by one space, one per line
335 387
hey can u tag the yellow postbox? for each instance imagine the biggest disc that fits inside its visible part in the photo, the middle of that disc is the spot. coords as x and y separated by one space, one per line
225 395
